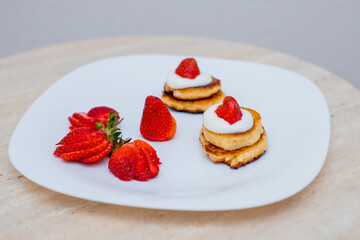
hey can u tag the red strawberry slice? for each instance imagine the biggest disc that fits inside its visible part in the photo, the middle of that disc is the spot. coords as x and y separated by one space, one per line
76 123
157 124
71 137
123 162
82 138
229 110
142 170
79 146
84 118
101 112
150 150
77 155
99 156
151 156
188 68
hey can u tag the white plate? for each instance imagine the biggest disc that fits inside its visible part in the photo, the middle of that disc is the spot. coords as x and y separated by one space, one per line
293 110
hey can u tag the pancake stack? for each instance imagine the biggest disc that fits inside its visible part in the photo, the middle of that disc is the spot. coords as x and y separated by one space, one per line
235 149
194 99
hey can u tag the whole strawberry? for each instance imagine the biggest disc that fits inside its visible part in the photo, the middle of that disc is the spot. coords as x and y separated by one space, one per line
157 124
229 110
89 145
188 68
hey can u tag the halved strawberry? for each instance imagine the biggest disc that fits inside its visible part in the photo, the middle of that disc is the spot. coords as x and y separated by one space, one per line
157 124
188 68
77 155
123 162
99 156
229 110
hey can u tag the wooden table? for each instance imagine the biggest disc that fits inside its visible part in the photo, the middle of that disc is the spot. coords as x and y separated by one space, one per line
327 209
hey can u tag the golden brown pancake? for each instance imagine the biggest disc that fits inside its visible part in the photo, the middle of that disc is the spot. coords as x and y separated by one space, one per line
192 106
194 93
235 158
234 141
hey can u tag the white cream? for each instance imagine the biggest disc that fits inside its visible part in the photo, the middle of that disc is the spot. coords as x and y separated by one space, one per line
177 82
218 125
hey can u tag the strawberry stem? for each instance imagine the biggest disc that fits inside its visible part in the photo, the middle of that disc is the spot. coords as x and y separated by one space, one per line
112 132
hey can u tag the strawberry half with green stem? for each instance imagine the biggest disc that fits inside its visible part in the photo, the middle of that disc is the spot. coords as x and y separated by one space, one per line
229 110
89 145
188 68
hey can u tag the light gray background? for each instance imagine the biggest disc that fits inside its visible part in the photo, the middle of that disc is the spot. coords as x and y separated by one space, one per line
324 32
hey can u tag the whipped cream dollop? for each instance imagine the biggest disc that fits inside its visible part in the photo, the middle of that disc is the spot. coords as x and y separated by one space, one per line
177 82
218 125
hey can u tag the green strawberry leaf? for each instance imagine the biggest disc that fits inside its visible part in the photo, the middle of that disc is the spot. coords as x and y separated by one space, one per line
113 133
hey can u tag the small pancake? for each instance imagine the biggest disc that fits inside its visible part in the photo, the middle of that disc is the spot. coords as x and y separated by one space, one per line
235 158
194 93
192 106
234 141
